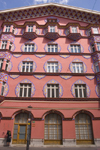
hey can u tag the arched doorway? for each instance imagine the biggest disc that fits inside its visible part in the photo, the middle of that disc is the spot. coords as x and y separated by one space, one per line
53 129
20 128
83 127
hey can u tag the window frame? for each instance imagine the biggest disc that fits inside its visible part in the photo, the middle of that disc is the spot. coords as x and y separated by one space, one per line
30 28
96 67
52 29
74 48
3 88
29 47
7 65
78 65
24 66
4 44
24 93
52 90
1 63
53 48
7 28
95 30
74 30
83 90
51 67
98 46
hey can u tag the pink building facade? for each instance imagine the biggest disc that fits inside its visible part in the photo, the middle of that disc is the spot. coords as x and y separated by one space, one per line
49 68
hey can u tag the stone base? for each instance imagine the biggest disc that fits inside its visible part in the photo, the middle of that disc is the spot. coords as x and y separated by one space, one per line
36 142
97 142
2 141
69 142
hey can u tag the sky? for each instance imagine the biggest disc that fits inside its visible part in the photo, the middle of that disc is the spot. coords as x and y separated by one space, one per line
87 4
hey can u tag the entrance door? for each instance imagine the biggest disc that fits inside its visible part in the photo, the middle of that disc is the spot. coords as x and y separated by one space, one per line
20 128
53 129
83 127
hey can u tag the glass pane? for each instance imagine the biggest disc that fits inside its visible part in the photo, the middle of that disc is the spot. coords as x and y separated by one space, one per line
15 136
16 119
21 136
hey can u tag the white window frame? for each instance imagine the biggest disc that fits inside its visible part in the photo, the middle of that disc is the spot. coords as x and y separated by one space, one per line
13 30
75 48
10 46
4 45
29 48
27 66
3 88
24 87
1 63
52 28
7 28
30 28
95 30
74 29
7 64
96 67
98 46
52 87
52 48
77 67
52 66
81 87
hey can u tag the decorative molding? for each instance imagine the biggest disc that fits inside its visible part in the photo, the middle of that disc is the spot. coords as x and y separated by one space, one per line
52 42
29 42
3 77
98 78
17 89
17 55
52 82
10 66
16 31
38 31
80 82
97 91
77 60
8 37
22 31
52 60
96 58
40 56
27 59
93 68
5 55
64 56
86 56
51 18
75 43
6 89
66 77
90 77
39 76
14 76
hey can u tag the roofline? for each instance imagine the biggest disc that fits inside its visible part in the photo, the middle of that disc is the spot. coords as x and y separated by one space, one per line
53 4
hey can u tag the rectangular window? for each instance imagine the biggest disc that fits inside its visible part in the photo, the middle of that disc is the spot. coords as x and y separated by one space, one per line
78 67
30 28
2 89
53 48
25 90
93 47
53 90
10 46
29 48
95 30
52 67
96 67
80 90
1 63
4 44
75 49
7 64
7 29
13 30
98 46
52 28
27 66
74 29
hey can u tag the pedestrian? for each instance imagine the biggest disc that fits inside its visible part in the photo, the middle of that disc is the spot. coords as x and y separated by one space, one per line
8 135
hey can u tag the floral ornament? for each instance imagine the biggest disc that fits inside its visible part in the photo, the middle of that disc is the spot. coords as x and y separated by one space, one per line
52 60
51 42
17 55
98 78
10 65
29 42
39 76
26 60
87 32
17 89
77 60
64 56
53 82
97 90
38 31
66 77
5 55
90 77
14 76
3 77
8 37
60 32
75 43
66 32
93 68
6 89
51 18
80 82
40 56
16 31
86 56
22 31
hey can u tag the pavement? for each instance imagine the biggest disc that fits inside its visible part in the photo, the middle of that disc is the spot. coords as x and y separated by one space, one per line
50 148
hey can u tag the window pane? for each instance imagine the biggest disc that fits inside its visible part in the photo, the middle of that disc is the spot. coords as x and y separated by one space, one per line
76 93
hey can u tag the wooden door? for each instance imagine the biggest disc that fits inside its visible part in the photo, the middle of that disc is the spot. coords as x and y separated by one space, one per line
83 127
53 129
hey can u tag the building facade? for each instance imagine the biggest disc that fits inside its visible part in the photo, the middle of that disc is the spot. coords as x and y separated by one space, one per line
49 70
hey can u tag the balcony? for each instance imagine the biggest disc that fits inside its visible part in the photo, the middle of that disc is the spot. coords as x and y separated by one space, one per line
51 32
30 32
73 33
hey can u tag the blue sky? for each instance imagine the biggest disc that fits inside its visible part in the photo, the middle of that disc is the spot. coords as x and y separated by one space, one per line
88 4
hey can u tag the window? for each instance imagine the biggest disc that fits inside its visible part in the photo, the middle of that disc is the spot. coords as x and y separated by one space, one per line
13 30
4 44
98 46
7 29
52 67
53 48
27 67
1 63
25 90
2 89
93 47
78 67
29 48
7 63
52 90
80 90
75 49
74 29
96 67
99 88
95 30
52 28
10 46
30 28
